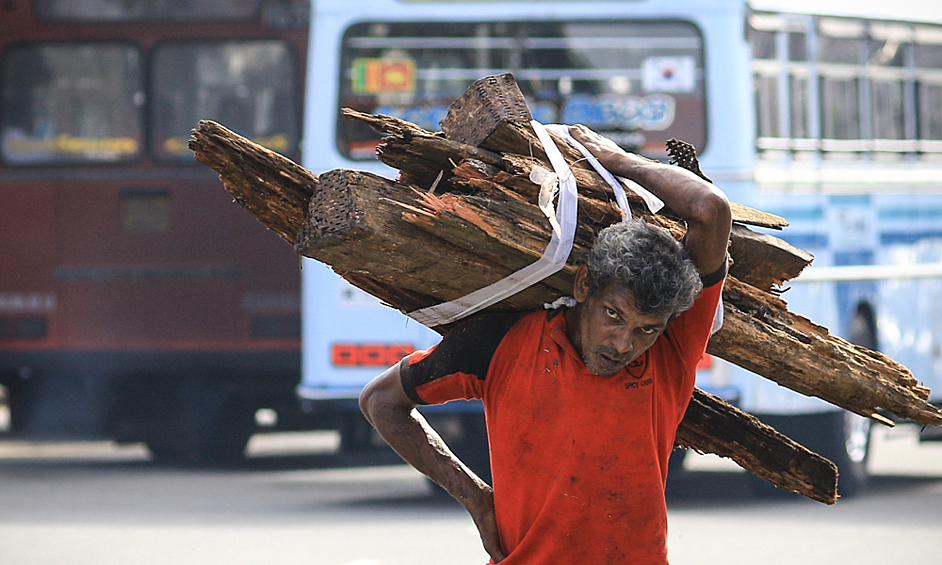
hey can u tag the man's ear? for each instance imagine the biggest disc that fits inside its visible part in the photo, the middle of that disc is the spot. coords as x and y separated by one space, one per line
580 288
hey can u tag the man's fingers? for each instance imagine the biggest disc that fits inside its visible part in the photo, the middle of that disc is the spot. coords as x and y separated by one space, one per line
492 548
486 521
489 537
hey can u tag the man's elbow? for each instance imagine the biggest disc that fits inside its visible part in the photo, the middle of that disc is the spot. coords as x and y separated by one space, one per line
382 392
367 400
714 210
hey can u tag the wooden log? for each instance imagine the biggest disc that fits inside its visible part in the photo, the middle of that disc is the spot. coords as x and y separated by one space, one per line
407 140
354 224
271 187
435 146
472 117
761 260
759 332
761 335
764 261
756 447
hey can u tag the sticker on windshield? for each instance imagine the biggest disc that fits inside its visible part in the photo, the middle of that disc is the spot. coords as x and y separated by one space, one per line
669 74
383 76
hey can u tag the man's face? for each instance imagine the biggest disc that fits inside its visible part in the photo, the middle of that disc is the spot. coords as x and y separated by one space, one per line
609 331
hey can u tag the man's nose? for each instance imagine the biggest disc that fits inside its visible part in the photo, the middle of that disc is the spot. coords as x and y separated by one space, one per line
623 342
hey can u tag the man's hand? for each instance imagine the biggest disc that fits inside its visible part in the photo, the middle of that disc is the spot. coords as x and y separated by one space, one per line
482 512
604 149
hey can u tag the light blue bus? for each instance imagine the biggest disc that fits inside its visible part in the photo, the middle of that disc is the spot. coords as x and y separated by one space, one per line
833 122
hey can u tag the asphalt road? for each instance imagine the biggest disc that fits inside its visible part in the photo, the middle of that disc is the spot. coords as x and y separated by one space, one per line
296 501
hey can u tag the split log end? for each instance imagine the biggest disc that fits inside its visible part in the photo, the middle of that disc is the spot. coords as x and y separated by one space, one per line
486 105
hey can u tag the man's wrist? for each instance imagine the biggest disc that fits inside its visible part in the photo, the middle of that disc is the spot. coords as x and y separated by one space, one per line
627 165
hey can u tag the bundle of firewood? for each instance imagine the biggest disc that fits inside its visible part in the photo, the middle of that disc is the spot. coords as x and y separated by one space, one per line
463 214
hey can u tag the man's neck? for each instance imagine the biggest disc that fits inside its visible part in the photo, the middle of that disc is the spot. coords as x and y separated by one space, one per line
573 317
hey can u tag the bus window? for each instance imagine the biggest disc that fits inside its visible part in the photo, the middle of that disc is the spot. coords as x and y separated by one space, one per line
763 43
865 91
767 108
888 96
927 55
247 86
145 10
842 50
639 83
71 103
798 95
930 110
840 102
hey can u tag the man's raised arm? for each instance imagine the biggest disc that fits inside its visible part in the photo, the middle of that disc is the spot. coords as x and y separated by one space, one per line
390 410
702 205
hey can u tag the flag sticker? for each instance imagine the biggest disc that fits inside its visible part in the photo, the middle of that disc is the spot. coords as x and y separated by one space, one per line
383 76
669 74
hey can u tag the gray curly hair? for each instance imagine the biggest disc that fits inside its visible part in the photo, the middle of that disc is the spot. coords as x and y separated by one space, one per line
649 262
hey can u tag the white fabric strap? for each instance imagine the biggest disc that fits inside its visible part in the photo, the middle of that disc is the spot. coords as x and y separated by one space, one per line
718 317
620 197
653 203
553 259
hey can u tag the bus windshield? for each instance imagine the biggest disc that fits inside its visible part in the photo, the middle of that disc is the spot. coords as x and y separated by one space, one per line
74 103
638 82
248 86
71 103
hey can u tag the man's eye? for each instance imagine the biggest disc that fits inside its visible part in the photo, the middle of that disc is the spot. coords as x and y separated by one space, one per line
649 331
611 313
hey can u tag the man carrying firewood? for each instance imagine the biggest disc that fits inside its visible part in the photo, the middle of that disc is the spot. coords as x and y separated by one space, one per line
582 403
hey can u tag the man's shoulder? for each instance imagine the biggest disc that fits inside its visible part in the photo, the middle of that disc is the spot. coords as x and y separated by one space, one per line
466 348
488 326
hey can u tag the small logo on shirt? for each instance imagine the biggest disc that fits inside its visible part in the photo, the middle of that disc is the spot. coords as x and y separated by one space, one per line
638 367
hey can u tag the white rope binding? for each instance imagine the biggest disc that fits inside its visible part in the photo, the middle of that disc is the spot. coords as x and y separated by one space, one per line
553 259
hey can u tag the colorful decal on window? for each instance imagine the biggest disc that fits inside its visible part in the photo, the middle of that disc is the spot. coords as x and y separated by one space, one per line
669 74
383 76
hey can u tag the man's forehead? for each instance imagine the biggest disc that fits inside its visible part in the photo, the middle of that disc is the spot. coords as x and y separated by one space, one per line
623 299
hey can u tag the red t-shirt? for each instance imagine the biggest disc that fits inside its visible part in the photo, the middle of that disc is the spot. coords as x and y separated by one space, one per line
579 461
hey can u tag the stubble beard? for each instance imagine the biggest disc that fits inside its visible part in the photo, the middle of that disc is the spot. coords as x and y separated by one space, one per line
603 354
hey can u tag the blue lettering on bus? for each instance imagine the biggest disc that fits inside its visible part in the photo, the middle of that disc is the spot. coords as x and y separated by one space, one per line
654 112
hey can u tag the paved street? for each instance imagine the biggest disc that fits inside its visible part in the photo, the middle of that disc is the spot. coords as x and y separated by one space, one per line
296 501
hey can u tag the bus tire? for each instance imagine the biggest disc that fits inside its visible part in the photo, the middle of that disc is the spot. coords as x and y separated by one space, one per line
356 433
204 425
839 436
850 451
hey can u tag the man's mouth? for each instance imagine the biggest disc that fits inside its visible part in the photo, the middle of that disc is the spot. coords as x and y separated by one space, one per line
610 361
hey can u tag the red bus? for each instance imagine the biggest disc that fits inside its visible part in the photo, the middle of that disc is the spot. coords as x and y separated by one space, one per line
137 302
